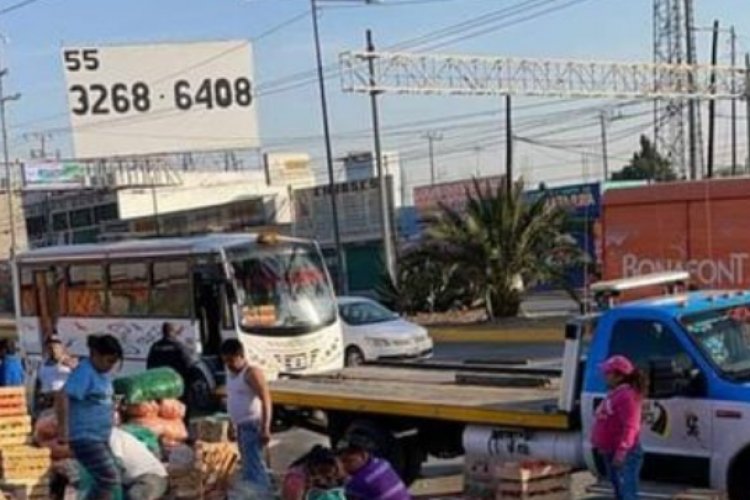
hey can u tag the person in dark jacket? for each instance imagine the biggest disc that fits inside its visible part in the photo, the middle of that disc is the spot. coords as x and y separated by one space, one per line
170 352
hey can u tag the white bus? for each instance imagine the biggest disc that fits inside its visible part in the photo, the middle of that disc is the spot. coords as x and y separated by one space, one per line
273 293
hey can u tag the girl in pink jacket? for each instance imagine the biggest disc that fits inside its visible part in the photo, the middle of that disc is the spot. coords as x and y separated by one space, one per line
617 426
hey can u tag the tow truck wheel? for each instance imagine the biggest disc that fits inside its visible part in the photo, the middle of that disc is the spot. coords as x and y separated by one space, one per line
739 481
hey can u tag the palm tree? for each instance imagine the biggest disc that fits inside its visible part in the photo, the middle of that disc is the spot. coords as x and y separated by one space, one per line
503 240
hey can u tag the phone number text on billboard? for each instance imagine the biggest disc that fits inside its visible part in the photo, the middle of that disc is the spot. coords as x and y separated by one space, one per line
121 98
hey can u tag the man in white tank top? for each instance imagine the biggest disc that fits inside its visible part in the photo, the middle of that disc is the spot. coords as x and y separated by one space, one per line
250 408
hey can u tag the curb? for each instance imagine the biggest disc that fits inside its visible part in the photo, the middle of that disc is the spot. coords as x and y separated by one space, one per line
454 335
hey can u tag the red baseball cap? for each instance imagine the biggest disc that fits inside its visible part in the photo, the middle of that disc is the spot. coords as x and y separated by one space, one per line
618 364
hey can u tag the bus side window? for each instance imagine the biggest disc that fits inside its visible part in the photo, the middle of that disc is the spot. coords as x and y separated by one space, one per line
86 290
171 294
128 289
29 306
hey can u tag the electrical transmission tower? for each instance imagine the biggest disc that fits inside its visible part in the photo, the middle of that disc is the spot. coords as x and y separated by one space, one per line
674 44
669 114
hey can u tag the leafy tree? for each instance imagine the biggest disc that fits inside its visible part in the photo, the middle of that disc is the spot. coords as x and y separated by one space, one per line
646 164
503 241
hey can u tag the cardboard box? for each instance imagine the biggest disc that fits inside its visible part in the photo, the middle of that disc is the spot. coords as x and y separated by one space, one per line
212 429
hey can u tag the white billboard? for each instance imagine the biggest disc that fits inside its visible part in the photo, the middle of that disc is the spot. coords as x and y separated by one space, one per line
358 207
160 98
53 175
289 169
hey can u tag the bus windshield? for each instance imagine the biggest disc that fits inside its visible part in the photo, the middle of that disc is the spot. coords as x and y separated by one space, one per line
283 289
724 337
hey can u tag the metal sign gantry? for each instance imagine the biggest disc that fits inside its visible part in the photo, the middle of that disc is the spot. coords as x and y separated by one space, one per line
406 73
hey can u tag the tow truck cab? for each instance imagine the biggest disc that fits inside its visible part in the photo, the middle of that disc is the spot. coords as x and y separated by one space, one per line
695 348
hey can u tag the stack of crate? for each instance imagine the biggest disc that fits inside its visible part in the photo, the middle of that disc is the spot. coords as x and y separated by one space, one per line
24 469
533 481
210 475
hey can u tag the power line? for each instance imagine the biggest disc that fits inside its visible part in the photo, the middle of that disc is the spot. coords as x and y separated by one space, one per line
17 6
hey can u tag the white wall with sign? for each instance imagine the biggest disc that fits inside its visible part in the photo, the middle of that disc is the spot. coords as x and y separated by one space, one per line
160 98
358 208
289 170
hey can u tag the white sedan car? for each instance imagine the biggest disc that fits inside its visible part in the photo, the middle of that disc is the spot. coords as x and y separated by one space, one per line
372 332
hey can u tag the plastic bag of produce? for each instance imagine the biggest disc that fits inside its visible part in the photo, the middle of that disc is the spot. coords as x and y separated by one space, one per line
154 424
142 410
171 409
145 436
174 431
159 383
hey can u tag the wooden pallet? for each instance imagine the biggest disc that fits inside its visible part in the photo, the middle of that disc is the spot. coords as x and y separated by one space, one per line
210 475
533 481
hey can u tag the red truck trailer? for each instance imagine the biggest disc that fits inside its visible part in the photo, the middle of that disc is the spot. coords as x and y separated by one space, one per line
702 227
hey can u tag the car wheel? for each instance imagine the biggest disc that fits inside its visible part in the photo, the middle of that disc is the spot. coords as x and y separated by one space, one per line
354 356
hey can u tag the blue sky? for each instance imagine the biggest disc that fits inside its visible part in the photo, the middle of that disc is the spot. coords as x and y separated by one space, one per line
601 29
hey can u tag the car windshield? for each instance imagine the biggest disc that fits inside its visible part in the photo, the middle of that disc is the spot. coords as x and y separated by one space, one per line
365 312
724 337
283 288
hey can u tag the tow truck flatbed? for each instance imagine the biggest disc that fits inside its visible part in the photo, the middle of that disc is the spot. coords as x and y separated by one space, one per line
429 394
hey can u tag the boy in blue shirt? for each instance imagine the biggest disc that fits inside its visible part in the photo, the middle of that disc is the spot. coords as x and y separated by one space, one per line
86 415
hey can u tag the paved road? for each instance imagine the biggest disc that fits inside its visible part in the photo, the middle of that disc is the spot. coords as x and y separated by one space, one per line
489 351
289 445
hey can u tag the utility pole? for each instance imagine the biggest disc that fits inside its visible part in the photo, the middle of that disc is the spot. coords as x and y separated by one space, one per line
692 104
431 137
605 155
6 158
508 146
342 274
733 35
385 212
41 137
747 111
712 102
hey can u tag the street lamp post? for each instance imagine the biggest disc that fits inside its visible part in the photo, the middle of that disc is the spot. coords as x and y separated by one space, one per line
342 281
6 158
342 274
